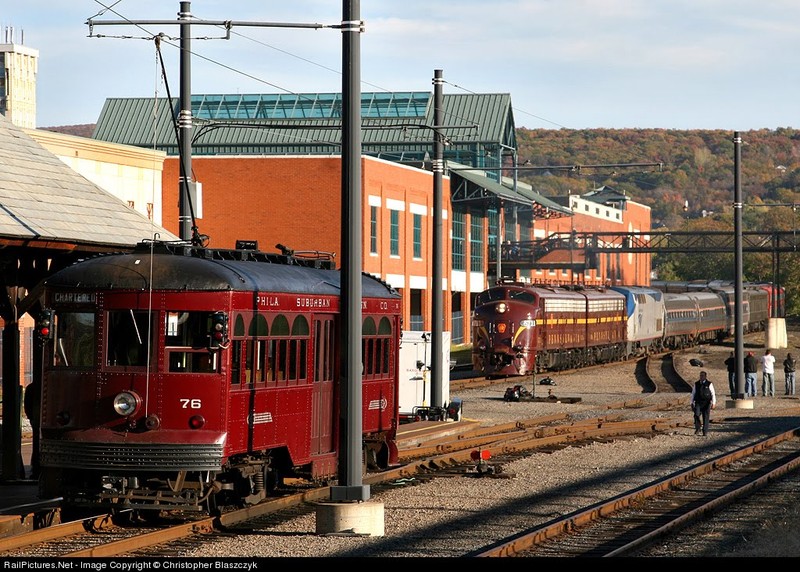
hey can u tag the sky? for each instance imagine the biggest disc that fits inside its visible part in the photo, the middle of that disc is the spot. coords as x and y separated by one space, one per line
573 64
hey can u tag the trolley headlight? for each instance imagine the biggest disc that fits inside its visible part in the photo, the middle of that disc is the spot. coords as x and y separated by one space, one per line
126 403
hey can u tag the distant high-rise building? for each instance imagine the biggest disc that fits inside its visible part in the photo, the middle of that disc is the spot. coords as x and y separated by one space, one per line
18 68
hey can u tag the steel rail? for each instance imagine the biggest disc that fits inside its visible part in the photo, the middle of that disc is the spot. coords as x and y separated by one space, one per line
526 540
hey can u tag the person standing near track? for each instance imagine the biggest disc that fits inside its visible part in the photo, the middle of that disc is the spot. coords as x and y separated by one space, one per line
768 374
704 399
750 373
789 365
730 363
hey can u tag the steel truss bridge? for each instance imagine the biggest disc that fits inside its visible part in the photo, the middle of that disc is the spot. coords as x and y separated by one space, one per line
584 246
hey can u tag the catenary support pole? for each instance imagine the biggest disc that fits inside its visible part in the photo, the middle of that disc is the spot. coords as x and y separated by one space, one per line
737 224
186 198
350 482
437 327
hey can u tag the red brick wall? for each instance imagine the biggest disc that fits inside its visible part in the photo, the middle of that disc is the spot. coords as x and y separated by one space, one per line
296 201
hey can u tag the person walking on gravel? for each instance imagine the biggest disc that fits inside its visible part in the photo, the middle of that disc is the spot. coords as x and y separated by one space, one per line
789 365
704 399
768 374
750 373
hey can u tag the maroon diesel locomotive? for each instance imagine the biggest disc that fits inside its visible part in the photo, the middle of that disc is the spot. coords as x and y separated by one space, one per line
180 378
520 329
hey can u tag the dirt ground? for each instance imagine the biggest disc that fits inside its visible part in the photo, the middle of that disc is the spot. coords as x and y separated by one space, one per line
713 356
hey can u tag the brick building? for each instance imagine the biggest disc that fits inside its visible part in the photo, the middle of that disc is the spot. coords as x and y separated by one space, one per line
279 181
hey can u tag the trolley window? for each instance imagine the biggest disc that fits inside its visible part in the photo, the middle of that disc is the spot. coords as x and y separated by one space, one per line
129 335
75 339
376 347
237 345
287 350
257 365
186 345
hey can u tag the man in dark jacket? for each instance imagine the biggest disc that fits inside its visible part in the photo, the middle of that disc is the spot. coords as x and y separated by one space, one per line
730 363
704 399
789 365
750 375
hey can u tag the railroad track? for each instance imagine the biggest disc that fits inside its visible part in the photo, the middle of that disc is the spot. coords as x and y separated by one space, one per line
629 522
100 536
663 375
446 457
655 371
739 475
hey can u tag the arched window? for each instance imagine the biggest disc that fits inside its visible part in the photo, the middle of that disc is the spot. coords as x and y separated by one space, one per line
376 347
238 326
258 326
298 349
237 343
256 359
279 349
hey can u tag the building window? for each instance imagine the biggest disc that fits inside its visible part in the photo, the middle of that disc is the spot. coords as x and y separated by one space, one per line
373 229
458 240
394 239
417 235
494 228
510 233
476 242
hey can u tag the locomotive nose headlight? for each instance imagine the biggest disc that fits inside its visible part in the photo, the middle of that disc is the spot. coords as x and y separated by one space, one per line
501 308
126 403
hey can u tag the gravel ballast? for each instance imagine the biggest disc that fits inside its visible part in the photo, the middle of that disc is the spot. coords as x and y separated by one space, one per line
451 517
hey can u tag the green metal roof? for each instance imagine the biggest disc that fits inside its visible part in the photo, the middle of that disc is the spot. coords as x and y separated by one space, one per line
396 126
479 131
477 186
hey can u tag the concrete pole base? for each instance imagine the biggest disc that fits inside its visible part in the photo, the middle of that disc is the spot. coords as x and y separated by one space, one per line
350 518
739 404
